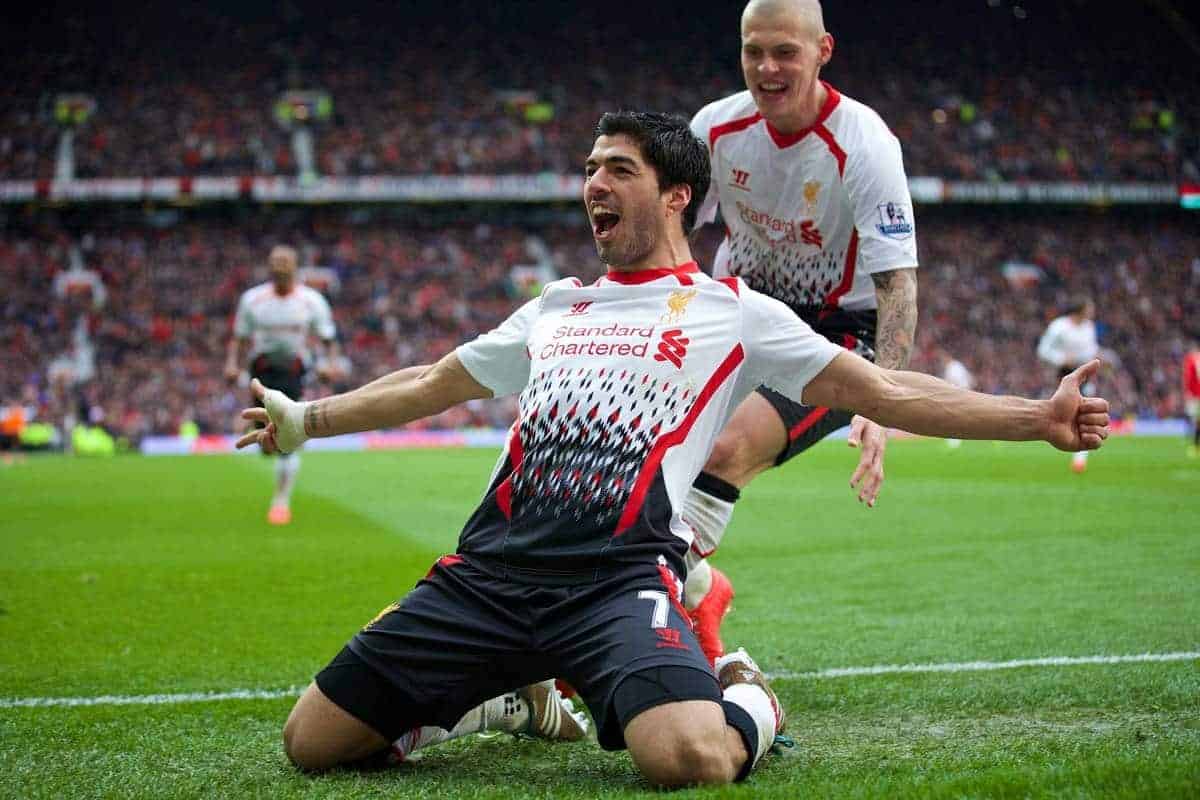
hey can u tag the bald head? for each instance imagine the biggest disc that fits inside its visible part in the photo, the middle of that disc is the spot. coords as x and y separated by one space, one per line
282 262
806 12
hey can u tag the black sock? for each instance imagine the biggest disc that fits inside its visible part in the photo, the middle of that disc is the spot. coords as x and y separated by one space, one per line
741 721
722 490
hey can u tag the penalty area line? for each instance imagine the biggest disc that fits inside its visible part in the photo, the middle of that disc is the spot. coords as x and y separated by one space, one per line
824 674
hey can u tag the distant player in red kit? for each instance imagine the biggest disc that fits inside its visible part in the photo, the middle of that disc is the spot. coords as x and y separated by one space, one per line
1191 396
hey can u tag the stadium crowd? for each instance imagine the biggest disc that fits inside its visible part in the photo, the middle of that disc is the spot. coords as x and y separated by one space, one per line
148 357
1036 100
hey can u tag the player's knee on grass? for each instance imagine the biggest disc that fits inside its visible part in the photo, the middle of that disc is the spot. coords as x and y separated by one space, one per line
674 726
319 735
682 744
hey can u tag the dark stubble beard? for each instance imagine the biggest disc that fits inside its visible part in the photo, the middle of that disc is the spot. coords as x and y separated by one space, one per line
636 242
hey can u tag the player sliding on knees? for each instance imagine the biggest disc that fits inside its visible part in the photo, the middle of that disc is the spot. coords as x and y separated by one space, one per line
572 564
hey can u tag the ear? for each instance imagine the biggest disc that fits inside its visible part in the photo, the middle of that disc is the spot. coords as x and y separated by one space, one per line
677 198
825 47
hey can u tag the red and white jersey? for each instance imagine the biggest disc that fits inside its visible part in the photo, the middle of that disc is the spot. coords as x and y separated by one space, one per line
809 215
280 325
1067 343
624 385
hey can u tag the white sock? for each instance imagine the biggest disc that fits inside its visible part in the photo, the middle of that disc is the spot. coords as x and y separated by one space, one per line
508 712
699 581
286 469
756 703
709 517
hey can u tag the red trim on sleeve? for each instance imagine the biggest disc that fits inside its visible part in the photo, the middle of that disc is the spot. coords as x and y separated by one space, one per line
682 272
733 126
847 272
668 440
781 139
800 427
515 453
732 283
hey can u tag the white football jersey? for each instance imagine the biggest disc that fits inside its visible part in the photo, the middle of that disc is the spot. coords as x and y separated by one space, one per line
1067 343
281 325
624 385
808 215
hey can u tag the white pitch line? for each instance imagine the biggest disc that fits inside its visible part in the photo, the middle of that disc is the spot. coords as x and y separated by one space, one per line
147 699
836 672
985 666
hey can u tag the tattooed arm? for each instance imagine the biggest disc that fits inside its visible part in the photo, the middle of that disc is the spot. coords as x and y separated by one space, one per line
896 325
896 296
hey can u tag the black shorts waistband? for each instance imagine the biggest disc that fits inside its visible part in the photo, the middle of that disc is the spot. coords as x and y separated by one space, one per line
593 573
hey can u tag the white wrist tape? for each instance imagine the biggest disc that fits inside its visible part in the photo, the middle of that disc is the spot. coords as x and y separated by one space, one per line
288 416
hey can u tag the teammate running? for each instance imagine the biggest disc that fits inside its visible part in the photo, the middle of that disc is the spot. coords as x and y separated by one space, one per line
278 318
811 188
570 564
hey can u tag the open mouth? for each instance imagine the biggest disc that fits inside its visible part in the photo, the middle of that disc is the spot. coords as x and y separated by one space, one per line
603 222
772 89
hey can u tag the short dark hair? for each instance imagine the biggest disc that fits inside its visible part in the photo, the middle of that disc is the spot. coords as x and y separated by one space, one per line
668 144
1077 303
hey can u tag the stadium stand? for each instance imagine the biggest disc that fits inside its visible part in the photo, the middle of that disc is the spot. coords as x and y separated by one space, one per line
407 293
118 312
194 92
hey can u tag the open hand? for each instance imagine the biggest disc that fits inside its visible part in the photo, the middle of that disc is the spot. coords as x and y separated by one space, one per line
868 476
282 416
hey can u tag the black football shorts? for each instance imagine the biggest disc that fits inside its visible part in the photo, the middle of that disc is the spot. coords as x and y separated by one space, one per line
464 635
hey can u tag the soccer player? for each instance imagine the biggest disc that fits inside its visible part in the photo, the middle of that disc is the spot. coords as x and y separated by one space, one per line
570 565
277 319
1068 341
811 188
1191 396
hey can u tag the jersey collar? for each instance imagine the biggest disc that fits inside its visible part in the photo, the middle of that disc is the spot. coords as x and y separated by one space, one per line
682 272
781 139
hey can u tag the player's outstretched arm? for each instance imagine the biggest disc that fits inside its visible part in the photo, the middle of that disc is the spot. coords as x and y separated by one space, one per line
930 406
395 399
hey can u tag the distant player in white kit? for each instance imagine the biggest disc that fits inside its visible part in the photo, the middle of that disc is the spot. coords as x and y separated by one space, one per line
277 319
812 191
955 373
1068 341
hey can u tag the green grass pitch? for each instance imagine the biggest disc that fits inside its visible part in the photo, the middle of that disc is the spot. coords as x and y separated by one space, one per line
148 576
